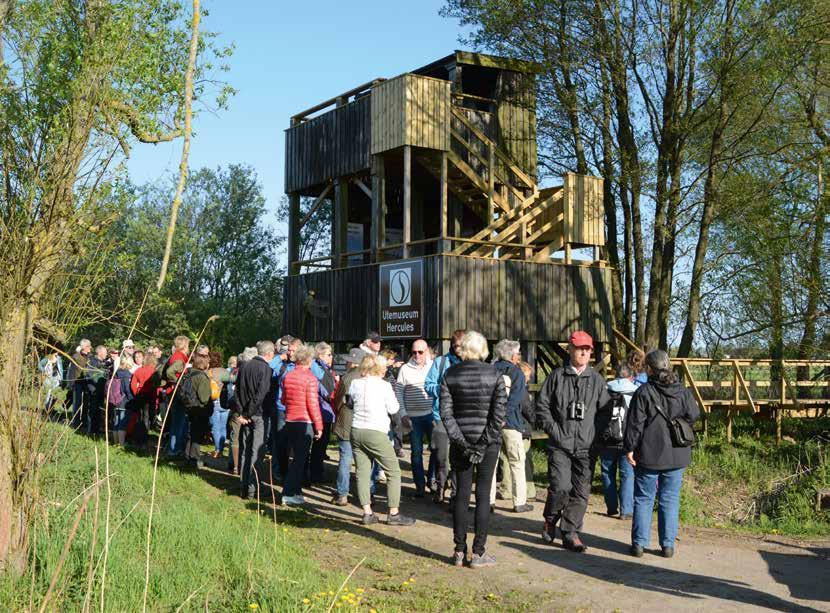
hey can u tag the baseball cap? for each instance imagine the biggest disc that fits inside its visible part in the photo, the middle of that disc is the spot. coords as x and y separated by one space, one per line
355 356
581 339
374 337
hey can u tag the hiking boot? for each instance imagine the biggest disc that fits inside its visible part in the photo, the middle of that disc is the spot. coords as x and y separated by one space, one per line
399 520
549 532
369 519
340 501
573 543
459 558
613 513
523 508
483 561
636 551
668 552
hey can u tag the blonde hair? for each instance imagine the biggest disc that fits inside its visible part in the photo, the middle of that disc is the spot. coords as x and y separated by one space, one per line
304 354
373 366
321 349
181 343
526 369
473 346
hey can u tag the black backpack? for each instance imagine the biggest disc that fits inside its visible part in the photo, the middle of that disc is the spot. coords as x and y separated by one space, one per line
186 393
612 431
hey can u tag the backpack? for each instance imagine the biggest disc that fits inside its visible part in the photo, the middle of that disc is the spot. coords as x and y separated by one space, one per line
613 432
187 391
215 388
115 395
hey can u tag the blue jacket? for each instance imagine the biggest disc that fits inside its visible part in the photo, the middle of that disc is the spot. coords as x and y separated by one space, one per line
518 389
432 384
278 375
318 369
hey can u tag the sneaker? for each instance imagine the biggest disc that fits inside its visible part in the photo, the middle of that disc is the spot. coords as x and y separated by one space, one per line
293 501
573 543
459 558
610 513
523 508
668 552
483 561
549 532
400 520
340 501
369 519
636 551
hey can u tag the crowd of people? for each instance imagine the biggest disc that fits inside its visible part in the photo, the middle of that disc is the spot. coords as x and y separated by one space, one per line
276 407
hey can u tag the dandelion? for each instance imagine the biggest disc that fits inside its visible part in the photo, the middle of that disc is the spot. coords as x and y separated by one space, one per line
253 605
359 590
285 529
331 593
412 579
326 530
306 601
373 611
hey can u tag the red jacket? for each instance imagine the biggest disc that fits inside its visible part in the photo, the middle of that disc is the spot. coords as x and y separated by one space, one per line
144 382
299 395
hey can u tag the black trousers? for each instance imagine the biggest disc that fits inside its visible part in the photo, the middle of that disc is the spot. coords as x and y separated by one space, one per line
199 427
317 457
297 436
465 472
251 453
569 484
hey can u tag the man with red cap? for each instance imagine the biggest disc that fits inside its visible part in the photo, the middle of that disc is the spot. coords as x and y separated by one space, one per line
565 409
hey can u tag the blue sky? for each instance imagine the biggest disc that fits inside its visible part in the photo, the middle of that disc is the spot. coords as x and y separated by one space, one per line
290 56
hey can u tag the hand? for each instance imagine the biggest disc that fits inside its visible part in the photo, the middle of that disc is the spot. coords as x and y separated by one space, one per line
318 435
630 457
243 420
406 422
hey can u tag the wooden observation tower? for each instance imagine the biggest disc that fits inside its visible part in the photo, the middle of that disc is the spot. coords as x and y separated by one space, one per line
438 221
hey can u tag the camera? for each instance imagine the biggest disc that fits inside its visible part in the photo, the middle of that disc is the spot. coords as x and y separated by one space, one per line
576 410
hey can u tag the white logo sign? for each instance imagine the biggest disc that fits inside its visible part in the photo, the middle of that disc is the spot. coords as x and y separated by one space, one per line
400 287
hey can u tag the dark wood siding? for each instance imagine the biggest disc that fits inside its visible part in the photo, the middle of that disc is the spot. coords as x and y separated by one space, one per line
332 145
500 298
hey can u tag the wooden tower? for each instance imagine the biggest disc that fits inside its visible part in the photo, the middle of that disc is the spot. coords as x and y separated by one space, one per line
438 221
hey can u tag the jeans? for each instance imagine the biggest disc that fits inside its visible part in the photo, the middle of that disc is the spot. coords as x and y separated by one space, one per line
297 436
344 469
219 426
569 483
617 500
179 428
251 452
279 450
441 454
421 429
464 470
665 484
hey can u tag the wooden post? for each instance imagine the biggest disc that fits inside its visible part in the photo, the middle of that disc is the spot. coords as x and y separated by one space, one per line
407 198
293 233
779 414
491 181
378 229
443 245
735 400
567 253
340 222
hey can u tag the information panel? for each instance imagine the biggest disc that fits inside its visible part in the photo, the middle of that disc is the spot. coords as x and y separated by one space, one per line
401 299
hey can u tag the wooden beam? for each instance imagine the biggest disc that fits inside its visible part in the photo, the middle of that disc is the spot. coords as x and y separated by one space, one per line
293 233
491 180
340 222
296 119
377 230
444 200
744 386
316 204
362 186
407 198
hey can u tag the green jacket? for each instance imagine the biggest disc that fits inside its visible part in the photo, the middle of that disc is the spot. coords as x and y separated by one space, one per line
343 411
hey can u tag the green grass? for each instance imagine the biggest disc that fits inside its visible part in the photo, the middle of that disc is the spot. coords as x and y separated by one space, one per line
212 550
752 484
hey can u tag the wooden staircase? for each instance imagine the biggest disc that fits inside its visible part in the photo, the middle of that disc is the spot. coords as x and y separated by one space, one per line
519 220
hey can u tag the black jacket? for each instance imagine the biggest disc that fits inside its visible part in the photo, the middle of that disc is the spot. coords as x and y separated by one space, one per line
253 383
562 387
528 415
473 404
518 388
647 432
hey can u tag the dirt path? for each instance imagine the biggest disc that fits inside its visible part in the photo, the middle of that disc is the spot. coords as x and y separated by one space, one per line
711 570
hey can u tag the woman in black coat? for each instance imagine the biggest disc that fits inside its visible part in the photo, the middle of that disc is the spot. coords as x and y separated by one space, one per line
658 462
473 407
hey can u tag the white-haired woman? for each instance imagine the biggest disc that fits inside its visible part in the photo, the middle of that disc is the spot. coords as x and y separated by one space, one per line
473 406
373 401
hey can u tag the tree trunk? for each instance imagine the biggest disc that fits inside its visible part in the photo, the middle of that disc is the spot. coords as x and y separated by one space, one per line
815 282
